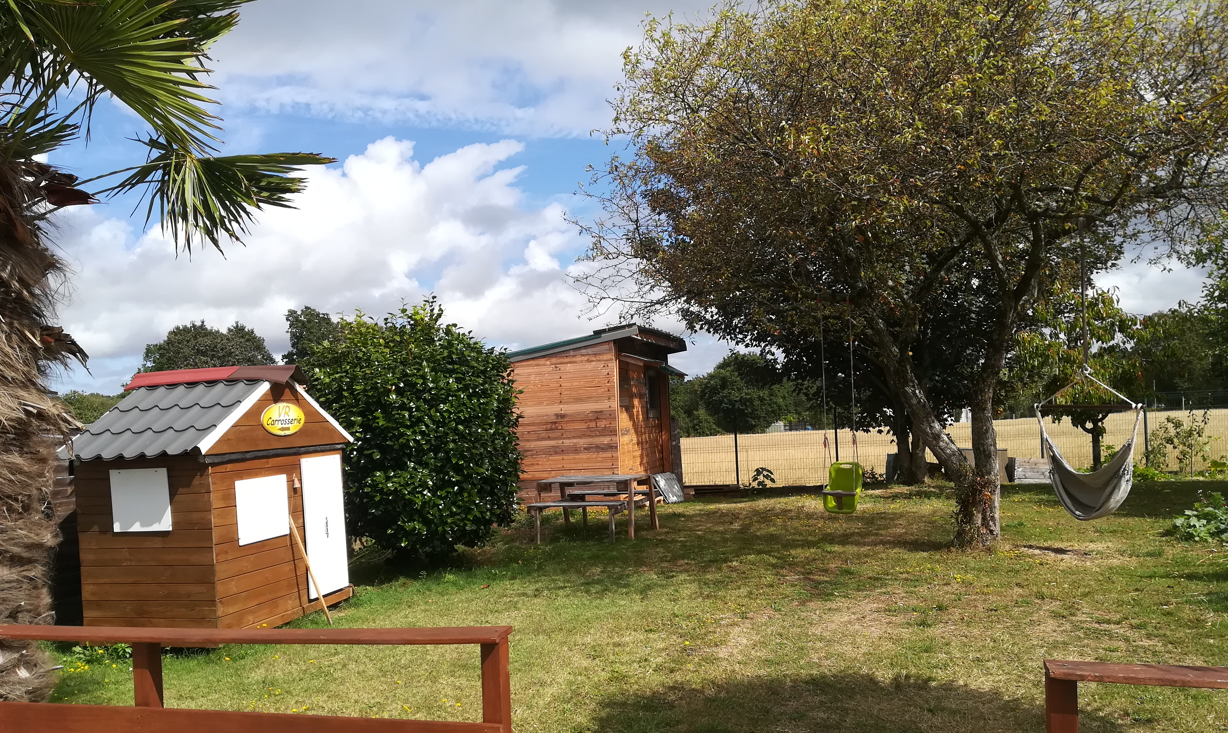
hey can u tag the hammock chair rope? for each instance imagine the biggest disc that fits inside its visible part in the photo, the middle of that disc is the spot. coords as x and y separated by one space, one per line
1097 494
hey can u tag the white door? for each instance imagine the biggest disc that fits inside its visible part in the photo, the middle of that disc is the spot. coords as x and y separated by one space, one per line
324 523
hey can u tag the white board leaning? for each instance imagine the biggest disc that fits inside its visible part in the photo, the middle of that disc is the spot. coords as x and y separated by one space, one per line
263 508
140 500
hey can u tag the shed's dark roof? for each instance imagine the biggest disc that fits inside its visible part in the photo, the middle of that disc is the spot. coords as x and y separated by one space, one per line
671 343
163 420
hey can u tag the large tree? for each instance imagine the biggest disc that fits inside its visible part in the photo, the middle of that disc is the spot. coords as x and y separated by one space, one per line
197 346
307 329
883 154
58 59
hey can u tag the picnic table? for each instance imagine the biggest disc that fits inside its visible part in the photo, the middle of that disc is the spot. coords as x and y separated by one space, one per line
571 494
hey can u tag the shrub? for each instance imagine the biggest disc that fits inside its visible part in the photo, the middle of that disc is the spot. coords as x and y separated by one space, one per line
435 458
1206 522
1146 473
1187 439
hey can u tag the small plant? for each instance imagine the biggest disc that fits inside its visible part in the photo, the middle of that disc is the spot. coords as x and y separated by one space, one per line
113 653
1186 438
759 480
1147 473
870 476
1206 522
1216 469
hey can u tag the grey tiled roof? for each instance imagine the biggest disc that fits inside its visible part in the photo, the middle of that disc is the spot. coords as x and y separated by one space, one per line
163 420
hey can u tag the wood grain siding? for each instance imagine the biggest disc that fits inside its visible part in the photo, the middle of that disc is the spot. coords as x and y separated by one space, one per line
262 582
569 413
248 435
126 577
643 436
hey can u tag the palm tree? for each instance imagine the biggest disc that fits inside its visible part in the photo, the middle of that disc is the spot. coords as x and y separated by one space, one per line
58 58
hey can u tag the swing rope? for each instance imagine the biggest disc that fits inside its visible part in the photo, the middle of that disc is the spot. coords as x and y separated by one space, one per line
852 386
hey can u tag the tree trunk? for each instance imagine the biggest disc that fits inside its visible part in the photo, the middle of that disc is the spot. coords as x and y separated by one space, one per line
903 454
897 367
920 461
1096 449
976 520
29 278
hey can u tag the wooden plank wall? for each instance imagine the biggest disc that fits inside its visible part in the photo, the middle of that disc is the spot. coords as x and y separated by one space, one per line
263 582
569 413
643 438
248 435
147 578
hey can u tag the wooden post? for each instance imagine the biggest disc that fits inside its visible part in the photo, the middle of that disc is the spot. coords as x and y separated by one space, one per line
652 504
630 487
537 524
584 512
497 685
147 674
310 573
1061 705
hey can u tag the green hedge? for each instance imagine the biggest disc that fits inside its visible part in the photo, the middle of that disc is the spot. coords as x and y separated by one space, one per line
432 410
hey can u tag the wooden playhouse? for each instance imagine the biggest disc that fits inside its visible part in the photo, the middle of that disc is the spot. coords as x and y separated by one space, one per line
597 404
185 494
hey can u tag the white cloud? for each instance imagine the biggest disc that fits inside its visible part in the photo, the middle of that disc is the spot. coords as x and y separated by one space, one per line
1144 288
379 229
541 67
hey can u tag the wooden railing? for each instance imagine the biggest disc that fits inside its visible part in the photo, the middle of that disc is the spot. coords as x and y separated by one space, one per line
1062 684
149 715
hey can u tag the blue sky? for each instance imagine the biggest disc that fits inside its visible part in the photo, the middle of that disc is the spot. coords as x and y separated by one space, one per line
461 132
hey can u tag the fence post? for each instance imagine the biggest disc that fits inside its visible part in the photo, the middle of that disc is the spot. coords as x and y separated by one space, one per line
147 674
737 468
1146 440
496 685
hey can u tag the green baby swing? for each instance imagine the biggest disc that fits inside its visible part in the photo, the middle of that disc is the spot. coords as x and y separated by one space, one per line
843 477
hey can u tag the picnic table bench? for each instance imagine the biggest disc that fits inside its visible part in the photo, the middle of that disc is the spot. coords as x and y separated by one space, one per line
1062 680
536 509
568 487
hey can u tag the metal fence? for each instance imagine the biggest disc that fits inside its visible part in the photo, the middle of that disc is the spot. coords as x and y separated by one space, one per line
799 458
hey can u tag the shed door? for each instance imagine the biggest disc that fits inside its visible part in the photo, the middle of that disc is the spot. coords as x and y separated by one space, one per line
324 523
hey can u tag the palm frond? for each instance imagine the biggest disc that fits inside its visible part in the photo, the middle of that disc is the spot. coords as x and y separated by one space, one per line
214 198
147 58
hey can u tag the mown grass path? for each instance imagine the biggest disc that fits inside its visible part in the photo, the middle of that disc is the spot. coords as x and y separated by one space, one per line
768 615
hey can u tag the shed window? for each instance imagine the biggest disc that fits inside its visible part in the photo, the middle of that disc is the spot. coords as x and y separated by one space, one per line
140 500
652 385
262 508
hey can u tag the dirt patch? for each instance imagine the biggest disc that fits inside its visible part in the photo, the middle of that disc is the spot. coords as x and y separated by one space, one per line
1059 551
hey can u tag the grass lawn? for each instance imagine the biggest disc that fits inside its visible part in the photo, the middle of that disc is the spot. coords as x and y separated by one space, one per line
767 615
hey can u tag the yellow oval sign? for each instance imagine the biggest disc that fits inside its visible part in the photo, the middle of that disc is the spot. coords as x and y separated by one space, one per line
282 418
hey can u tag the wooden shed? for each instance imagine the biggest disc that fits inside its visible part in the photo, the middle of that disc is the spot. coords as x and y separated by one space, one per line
185 492
597 404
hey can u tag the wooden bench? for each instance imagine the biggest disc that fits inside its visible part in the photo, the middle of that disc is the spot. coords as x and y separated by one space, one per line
1062 680
149 716
537 508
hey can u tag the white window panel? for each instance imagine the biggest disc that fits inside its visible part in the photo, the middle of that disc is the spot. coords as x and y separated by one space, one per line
263 508
140 500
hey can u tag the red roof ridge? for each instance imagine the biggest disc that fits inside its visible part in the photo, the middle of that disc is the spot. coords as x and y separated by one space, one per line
277 373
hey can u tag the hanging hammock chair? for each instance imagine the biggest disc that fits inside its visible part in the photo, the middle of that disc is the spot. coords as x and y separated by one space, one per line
1097 494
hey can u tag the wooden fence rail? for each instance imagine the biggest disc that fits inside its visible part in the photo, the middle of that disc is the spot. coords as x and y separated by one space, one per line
1062 684
149 715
